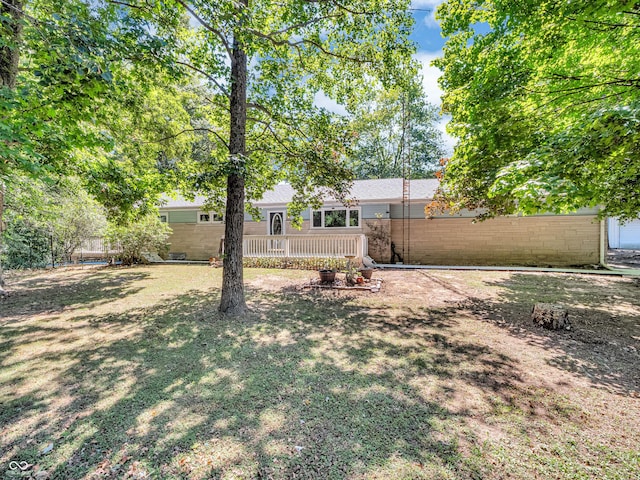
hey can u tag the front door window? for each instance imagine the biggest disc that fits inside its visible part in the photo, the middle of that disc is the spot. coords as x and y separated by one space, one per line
276 221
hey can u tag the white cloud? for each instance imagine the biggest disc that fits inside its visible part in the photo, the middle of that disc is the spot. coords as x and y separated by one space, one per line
321 100
433 91
430 19
430 75
425 3
449 141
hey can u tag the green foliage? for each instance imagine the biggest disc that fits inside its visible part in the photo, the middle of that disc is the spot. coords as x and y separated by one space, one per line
48 222
25 246
147 234
337 264
96 97
117 92
297 51
545 105
392 125
74 218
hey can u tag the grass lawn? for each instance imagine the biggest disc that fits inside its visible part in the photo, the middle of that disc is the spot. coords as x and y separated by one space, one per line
131 373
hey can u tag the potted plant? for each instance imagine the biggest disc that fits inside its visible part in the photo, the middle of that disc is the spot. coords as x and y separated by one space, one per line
366 273
327 275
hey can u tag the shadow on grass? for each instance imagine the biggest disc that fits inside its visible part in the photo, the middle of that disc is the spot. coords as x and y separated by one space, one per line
50 294
602 344
44 295
305 386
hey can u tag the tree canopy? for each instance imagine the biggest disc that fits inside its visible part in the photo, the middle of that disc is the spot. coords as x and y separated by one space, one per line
261 65
545 103
82 93
87 100
393 126
122 94
47 222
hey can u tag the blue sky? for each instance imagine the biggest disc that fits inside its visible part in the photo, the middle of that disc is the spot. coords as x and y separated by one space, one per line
427 35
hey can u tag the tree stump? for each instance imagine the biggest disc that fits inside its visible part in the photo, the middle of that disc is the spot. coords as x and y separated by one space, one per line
551 316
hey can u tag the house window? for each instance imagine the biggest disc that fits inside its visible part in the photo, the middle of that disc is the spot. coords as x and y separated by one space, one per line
336 218
354 218
317 219
209 217
164 218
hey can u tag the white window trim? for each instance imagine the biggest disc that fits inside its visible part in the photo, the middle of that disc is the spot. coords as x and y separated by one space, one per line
207 222
331 209
166 217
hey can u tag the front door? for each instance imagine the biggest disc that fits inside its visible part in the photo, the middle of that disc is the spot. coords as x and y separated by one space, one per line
276 228
276 223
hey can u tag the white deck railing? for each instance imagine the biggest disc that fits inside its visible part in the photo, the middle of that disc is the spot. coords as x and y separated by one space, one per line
304 246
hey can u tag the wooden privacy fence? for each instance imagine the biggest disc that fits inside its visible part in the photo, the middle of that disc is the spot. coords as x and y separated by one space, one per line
305 246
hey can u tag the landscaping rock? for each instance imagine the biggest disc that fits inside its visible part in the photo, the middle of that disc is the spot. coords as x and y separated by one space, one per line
551 316
151 257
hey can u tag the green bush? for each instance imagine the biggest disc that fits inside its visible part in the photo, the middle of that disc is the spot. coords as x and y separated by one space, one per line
25 246
47 222
316 263
148 234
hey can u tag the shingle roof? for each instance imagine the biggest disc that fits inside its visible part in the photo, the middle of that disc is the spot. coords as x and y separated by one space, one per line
368 191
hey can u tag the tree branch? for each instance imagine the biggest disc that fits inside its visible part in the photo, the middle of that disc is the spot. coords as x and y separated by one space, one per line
303 24
273 117
622 82
605 24
125 4
209 77
279 43
274 135
191 130
209 27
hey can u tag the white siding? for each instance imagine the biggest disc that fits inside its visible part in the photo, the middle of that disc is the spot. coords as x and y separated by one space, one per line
624 235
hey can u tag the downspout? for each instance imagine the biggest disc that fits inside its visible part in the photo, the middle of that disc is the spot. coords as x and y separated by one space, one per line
603 241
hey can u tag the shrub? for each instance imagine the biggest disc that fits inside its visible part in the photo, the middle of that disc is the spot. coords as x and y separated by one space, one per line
46 223
25 246
148 234
316 263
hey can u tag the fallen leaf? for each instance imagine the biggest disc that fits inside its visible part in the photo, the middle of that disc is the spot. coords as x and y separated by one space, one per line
47 449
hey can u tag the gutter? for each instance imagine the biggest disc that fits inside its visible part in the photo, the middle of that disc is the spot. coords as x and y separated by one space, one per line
603 243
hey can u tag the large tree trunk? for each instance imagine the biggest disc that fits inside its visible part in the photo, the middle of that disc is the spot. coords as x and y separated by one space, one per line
2 291
9 58
232 301
10 53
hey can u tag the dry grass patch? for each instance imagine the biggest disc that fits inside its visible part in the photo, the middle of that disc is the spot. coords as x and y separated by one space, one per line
130 373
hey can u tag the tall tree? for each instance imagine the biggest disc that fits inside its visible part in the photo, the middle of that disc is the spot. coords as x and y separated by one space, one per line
79 100
10 38
394 128
545 104
266 61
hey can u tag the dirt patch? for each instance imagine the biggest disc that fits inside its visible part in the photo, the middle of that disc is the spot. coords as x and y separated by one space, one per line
602 347
620 258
